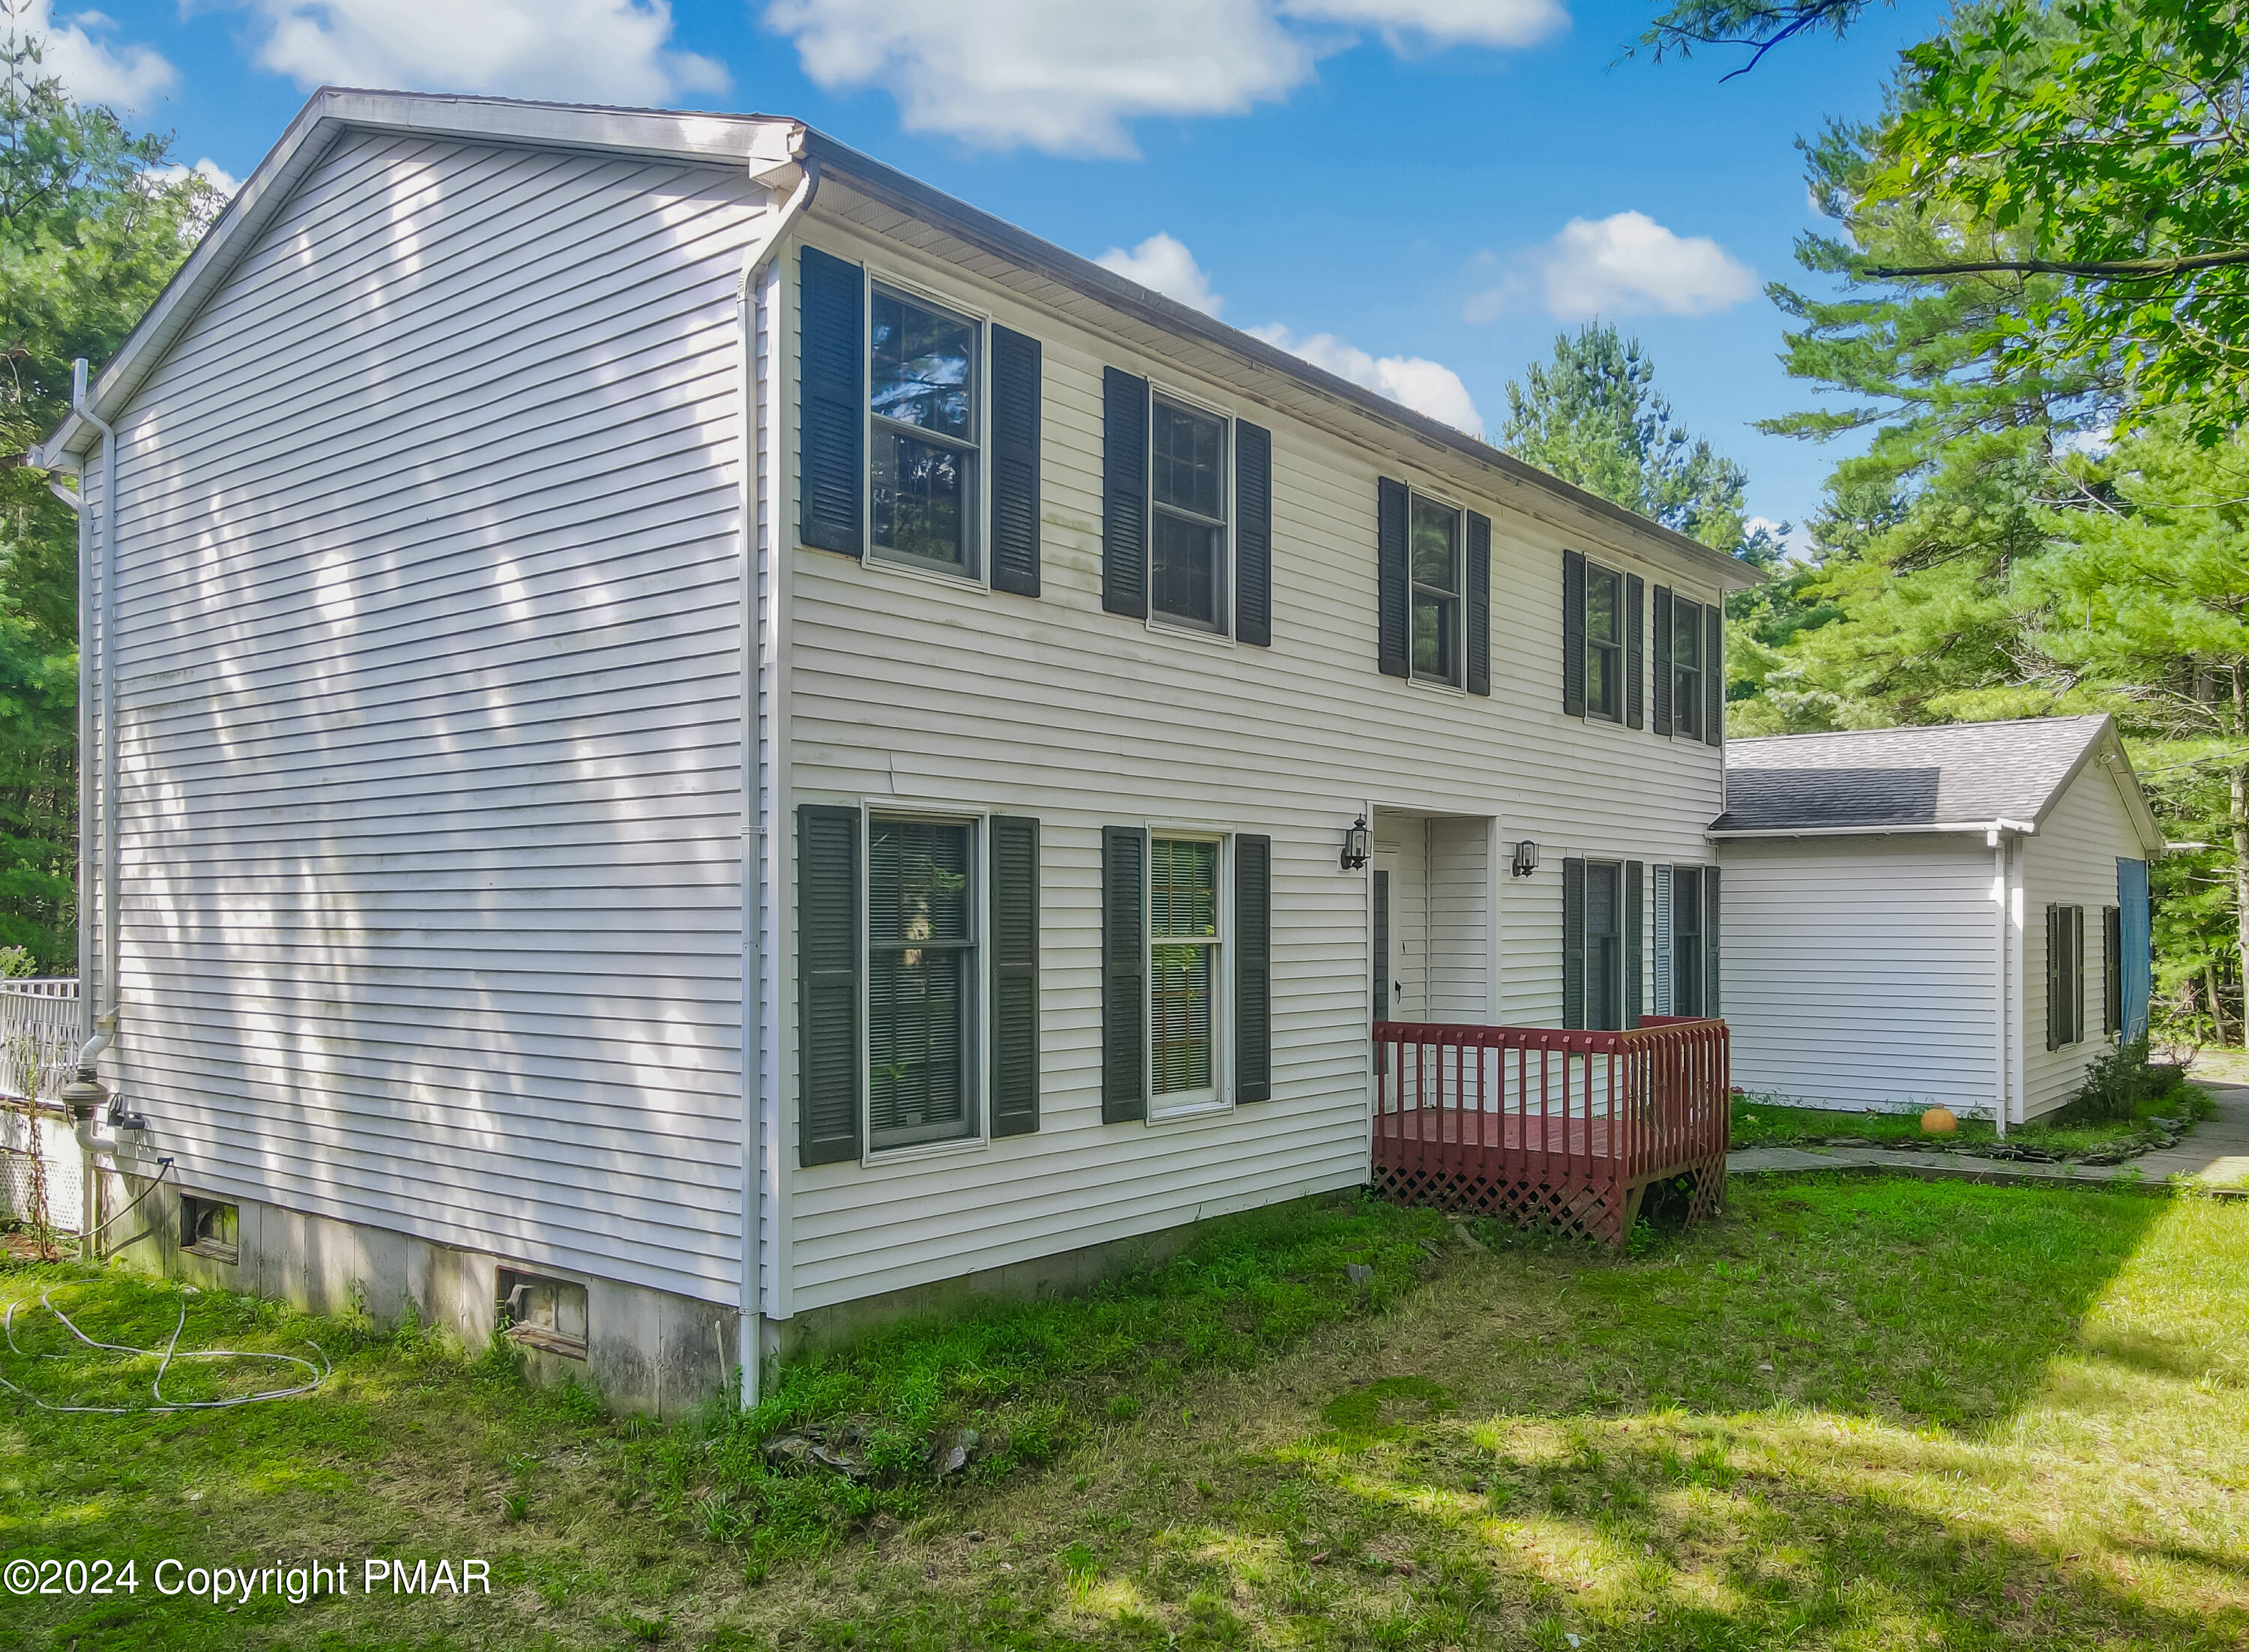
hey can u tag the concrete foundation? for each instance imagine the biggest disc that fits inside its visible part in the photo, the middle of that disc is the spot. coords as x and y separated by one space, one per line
1063 1273
646 1351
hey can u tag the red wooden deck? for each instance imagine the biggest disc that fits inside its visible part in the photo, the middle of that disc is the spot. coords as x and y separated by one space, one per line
1551 1127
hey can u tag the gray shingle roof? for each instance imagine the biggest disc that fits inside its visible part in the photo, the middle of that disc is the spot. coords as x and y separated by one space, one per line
1868 779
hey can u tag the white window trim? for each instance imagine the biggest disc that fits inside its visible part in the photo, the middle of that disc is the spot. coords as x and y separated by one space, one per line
1460 509
1220 1100
875 557
1155 623
980 821
1624 648
1701 639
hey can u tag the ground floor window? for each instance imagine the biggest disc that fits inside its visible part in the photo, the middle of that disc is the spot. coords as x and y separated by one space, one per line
1686 941
2064 976
1185 953
1604 944
921 981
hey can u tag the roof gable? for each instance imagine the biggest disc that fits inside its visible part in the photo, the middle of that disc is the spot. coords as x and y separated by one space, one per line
771 147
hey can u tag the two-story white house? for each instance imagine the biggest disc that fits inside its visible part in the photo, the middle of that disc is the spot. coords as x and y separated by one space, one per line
700 741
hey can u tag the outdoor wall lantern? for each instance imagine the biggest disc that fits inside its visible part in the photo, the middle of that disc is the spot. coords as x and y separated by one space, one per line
1526 858
1358 843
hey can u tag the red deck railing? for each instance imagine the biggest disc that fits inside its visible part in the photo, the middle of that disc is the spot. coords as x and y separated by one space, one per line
1549 1128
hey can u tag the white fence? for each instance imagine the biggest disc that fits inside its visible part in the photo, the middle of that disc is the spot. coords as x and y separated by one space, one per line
39 1038
41 1174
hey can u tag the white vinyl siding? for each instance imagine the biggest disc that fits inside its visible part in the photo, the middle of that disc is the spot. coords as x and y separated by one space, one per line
1861 972
2071 861
1057 709
432 795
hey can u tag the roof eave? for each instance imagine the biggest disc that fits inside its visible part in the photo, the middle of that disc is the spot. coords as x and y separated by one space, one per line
1005 240
1917 828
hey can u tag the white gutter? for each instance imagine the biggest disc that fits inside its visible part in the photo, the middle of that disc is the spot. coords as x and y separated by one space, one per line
2024 827
100 805
760 601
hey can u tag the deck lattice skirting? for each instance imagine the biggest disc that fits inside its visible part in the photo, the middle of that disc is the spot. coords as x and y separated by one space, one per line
1565 1130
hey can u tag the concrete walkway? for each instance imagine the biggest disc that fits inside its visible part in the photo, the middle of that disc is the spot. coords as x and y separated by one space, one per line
2214 1157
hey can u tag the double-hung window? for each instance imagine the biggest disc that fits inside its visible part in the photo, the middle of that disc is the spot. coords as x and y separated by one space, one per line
925 431
1685 939
1687 667
1187 486
1605 637
1185 973
922 1015
1604 944
1435 563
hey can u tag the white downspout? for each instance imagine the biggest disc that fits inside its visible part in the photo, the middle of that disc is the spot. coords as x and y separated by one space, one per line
2000 902
757 685
99 533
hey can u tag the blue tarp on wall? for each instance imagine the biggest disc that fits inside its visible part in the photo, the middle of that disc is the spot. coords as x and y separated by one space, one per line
2136 943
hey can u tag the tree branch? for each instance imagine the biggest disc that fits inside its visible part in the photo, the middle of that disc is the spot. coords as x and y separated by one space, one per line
2120 268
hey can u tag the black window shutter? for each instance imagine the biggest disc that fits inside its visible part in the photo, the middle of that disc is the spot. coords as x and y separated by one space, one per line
1252 535
1714 675
1016 401
2052 978
2112 971
1124 975
1392 593
1635 880
1573 943
1479 601
831 300
1253 968
828 983
1635 650
1710 947
1660 624
1573 633
1014 944
1124 494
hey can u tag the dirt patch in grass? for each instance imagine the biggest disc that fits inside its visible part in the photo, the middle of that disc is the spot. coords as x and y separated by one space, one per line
1761 1123
1850 1413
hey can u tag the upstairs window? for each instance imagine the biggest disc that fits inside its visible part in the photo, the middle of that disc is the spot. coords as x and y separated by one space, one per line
1435 564
1605 639
1687 667
1187 485
925 426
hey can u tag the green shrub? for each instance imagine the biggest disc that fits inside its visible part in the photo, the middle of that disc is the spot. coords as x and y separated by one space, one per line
2123 1084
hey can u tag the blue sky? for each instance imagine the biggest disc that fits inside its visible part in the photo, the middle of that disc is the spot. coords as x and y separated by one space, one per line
1418 193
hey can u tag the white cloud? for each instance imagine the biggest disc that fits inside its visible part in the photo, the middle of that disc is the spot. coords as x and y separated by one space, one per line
1629 264
1067 78
126 77
1426 387
1440 22
1165 264
597 50
208 169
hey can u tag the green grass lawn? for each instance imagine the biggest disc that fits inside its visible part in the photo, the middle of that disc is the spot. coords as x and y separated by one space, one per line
1852 1413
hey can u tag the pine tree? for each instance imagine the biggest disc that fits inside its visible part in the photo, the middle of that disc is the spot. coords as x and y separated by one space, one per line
89 234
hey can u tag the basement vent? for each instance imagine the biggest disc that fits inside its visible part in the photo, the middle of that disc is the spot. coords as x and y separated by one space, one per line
207 1228
543 1312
